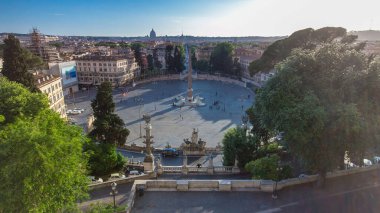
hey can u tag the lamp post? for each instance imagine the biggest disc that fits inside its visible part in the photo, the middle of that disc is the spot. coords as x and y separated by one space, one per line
278 170
114 192
140 118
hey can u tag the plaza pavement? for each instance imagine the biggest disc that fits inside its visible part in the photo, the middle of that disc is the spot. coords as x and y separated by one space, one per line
156 98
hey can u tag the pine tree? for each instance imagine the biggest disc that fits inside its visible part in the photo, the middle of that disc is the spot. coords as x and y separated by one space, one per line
108 126
15 66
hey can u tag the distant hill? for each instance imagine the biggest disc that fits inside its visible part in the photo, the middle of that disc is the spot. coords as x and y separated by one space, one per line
367 35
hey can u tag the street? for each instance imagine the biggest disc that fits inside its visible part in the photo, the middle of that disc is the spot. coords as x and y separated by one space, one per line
355 193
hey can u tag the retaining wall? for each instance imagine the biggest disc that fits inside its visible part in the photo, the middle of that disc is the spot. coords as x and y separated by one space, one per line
231 185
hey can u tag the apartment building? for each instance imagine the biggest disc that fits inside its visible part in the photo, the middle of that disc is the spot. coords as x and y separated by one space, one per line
93 70
51 85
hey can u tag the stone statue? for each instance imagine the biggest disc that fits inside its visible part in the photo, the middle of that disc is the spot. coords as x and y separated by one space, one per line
194 136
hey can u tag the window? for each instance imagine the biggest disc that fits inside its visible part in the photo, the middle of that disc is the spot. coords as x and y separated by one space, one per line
105 69
79 64
88 64
104 64
100 64
94 64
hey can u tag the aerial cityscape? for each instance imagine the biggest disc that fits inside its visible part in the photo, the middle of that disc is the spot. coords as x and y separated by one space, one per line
189 106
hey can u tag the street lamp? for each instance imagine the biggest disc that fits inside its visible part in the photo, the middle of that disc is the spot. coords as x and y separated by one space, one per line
140 118
278 171
114 192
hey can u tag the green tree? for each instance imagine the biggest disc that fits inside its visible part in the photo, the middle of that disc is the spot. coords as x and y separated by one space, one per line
17 101
139 56
321 100
169 60
221 58
305 39
103 158
157 62
15 66
36 173
178 59
236 144
202 65
150 62
108 126
33 62
269 168
236 68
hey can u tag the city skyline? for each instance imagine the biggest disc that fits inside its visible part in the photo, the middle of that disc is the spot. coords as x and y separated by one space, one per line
196 17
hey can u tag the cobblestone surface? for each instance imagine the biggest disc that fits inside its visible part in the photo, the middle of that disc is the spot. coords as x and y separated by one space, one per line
171 124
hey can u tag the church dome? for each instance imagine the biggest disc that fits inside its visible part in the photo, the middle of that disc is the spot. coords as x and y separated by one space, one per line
152 34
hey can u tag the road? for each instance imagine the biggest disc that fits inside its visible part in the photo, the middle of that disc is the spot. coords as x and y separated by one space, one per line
102 195
355 193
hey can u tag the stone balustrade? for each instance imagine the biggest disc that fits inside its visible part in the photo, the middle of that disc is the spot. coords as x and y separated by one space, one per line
223 169
172 169
194 169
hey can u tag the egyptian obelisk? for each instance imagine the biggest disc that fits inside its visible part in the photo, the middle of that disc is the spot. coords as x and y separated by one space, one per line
189 79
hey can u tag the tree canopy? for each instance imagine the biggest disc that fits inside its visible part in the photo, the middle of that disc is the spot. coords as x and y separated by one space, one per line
17 101
174 58
305 39
108 126
221 58
36 172
326 101
16 63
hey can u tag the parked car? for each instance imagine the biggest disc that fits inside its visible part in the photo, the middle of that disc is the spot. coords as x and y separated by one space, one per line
376 159
116 176
73 112
135 172
79 109
367 162
94 180
170 152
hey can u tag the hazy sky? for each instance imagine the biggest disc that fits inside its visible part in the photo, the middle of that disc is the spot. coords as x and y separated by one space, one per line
193 17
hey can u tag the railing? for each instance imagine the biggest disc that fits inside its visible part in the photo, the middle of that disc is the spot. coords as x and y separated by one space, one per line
223 169
195 169
174 169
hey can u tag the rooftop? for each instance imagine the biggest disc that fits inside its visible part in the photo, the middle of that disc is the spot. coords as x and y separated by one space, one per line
42 79
101 58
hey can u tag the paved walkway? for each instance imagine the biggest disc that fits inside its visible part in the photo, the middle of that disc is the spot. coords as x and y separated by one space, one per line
356 193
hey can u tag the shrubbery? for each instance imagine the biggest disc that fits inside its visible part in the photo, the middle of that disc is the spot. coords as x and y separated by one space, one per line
103 159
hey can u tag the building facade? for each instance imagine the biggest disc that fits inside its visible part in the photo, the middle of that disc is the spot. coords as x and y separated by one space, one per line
93 70
68 73
51 86
204 53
